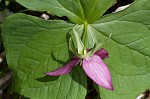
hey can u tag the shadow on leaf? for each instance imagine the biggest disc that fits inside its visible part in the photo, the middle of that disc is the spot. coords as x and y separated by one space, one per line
79 76
47 78
54 58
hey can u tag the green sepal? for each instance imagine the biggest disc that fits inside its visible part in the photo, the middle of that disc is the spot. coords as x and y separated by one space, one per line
98 46
79 43
73 50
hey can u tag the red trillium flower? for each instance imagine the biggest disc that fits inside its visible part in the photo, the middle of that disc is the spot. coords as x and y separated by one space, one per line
93 66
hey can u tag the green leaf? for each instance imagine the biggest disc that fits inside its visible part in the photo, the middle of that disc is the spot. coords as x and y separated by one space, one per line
94 9
78 11
35 46
129 50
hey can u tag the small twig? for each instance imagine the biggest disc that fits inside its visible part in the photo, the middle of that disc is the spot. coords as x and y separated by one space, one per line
5 81
20 97
144 95
1 94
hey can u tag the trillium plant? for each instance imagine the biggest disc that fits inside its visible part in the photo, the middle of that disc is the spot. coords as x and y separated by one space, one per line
84 46
92 64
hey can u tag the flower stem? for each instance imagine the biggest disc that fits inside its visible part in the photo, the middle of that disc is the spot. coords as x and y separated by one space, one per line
85 38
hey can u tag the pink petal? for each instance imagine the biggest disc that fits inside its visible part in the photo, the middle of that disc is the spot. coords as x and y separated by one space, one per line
102 53
97 70
65 69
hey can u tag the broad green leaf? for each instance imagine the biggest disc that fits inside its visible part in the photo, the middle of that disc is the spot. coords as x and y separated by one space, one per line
78 11
94 9
35 46
129 50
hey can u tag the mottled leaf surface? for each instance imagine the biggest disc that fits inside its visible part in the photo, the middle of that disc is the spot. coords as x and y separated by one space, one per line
35 46
129 50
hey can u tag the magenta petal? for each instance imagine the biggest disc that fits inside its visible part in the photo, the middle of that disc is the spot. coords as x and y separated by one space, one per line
102 53
65 69
97 70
